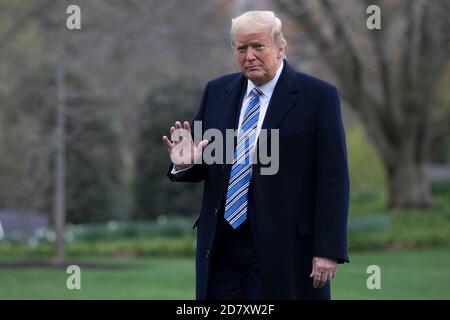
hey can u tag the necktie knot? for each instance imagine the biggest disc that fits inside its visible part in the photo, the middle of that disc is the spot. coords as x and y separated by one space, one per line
256 92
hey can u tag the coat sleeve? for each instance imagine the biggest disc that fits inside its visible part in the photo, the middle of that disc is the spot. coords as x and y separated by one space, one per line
197 172
331 180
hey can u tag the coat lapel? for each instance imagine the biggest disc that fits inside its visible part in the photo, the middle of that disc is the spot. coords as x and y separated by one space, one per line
230 106
283 98
231 102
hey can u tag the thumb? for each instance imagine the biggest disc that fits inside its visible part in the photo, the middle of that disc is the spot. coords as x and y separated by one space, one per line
313 269
203 144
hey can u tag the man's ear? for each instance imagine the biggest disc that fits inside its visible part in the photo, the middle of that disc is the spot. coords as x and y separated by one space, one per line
280 53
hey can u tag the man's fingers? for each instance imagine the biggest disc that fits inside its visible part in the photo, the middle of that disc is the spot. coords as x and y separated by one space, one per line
167 143
323 270
182 131
177 133
329 276
175 137
187 126
323 278
316 282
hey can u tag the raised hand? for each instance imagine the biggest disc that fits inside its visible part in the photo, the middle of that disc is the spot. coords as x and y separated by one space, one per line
182 150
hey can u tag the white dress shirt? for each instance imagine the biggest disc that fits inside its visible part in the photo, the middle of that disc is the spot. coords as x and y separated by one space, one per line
267 90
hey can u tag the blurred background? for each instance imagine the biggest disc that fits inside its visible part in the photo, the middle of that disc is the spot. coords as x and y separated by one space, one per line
83 169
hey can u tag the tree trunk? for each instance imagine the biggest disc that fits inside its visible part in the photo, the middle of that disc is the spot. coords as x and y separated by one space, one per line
409 186
60 169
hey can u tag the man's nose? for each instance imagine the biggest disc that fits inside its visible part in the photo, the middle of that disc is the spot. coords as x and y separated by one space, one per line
250 54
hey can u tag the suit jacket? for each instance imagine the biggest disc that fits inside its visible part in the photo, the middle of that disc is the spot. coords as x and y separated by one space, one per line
296 214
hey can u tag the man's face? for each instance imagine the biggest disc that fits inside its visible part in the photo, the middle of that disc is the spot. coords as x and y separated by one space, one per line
258 56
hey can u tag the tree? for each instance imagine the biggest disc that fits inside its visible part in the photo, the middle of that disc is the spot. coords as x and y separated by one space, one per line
122 52
44 94
388 77
173 99
95 186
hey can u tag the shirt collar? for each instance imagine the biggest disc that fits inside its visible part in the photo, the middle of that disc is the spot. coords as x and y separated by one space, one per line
267 88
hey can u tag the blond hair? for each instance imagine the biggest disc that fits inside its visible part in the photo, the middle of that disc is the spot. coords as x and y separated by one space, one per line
255 22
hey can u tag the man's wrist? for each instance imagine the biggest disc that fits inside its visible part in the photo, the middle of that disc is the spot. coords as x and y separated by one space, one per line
182 167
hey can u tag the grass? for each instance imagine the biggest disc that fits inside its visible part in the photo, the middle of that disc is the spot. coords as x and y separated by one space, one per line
416 274
149 278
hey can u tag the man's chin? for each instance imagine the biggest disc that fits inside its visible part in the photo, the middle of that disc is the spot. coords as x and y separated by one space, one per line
254 77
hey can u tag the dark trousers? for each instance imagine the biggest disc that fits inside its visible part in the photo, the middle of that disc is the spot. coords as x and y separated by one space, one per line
234 272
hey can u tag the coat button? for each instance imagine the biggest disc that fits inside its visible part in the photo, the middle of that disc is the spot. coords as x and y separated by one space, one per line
207 254
215 212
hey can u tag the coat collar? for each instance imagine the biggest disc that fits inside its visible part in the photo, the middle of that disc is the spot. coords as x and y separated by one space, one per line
283 98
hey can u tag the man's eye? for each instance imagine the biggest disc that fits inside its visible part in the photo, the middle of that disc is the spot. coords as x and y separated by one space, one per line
259 46
241 49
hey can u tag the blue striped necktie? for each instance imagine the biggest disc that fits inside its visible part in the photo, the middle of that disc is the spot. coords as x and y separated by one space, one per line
241 172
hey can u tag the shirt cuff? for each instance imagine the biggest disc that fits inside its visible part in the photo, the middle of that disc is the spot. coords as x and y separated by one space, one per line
174 171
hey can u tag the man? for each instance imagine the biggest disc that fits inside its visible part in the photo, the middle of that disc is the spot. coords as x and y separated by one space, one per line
277 236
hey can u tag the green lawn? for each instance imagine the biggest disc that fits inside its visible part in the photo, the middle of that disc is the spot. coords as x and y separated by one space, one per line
419 274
